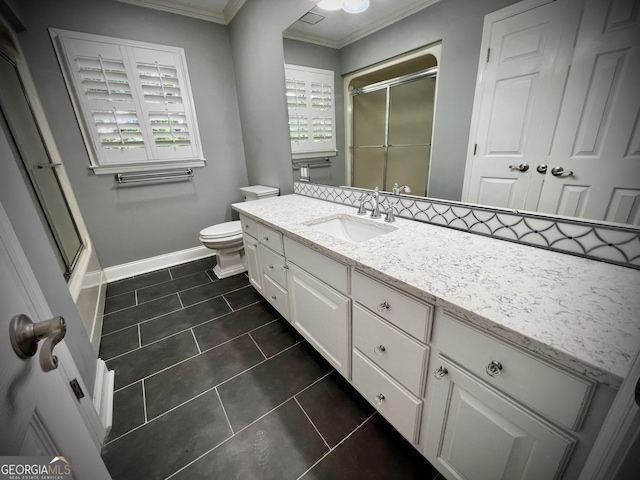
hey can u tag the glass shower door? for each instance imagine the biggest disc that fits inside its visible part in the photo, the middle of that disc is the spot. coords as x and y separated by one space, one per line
18 120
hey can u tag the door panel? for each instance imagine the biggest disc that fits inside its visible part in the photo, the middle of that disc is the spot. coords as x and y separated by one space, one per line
598 137
521 84
38 411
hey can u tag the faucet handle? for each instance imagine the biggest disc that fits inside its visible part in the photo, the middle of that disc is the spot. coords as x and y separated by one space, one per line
361 209
388 210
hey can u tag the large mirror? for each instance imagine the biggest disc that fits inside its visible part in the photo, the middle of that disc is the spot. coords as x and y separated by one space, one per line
534 135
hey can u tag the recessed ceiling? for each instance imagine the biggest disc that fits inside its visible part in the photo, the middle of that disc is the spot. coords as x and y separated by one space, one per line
219 11
339 28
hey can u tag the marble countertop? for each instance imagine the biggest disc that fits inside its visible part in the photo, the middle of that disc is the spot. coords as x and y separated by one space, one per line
582 314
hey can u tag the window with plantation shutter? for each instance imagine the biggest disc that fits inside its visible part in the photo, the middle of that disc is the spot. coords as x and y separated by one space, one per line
132 100
310 103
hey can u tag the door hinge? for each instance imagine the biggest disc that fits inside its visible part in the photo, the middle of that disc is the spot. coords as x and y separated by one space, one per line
75 386
475 148
488 54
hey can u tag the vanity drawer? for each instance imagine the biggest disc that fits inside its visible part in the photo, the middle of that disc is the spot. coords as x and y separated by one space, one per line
273 265
277 296
271 238
326 269
555 393
397 405
249 226
404 312
396 353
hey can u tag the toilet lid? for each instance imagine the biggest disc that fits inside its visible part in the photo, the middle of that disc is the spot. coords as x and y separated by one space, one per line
222 230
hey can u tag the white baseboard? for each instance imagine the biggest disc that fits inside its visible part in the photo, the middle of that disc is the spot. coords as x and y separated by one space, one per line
146 265
103 395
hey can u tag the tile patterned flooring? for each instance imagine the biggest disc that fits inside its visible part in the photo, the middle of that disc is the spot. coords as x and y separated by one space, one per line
211 383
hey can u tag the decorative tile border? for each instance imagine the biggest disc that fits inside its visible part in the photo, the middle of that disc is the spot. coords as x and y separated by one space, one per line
607 243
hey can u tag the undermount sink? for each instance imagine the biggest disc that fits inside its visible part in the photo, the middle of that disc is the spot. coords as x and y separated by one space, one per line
348 228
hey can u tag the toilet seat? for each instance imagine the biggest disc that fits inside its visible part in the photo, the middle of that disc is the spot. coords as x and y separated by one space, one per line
227 231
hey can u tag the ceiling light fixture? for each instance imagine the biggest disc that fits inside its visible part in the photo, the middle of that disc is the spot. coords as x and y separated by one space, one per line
350 6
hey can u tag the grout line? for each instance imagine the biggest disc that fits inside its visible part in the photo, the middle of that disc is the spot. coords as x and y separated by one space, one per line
210 277
180 299
225 411
144 402
195 340
311 422
254 341
226 301
337 445
170 274
139 338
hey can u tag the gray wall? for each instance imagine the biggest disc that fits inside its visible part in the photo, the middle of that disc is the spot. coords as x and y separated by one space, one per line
256 42
135 222
316 56
457 23
19 205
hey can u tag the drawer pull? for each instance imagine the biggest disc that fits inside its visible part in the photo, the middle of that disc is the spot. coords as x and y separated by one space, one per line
255 245
494 368
440 372
379 398
266 239
286 267
270 267
273 298
246 225
379 350
383 306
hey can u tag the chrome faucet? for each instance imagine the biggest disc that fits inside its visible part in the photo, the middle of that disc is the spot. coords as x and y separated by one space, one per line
403 189
375 203
388 210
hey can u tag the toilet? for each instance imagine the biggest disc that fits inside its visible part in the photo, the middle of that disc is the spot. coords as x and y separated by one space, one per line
226 238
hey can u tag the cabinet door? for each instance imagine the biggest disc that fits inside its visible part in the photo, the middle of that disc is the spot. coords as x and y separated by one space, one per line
252 258
475 433
321 315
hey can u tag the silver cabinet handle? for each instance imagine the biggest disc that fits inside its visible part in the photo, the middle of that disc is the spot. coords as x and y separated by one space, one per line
47 165
541 168
379 350
383 306
559 171
266 239
270 267
523 167
440 372
494 368
273 298
379 398
25 335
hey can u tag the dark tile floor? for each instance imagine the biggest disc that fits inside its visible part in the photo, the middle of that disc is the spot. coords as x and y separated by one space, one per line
211 383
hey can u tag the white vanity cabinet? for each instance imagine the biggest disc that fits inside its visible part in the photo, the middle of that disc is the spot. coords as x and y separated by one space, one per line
252 254
390 356
319 311
266 265
493 411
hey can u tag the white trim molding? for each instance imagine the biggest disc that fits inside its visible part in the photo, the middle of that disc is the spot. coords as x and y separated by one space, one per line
103 391
126 270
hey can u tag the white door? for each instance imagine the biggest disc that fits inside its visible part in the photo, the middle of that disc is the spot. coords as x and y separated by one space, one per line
598 133
38 411
525 54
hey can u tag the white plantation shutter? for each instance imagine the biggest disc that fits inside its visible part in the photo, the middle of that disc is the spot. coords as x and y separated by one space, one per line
310 103
132 100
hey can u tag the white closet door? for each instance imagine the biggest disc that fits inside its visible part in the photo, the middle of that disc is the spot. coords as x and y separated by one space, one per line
598 133
527 53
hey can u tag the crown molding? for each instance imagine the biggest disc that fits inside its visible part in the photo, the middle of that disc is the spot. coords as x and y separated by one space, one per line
181 9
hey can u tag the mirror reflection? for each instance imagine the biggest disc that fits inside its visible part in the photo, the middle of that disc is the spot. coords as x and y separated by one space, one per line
539 126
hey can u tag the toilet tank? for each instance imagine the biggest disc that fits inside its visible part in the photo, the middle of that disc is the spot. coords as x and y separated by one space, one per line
256 192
